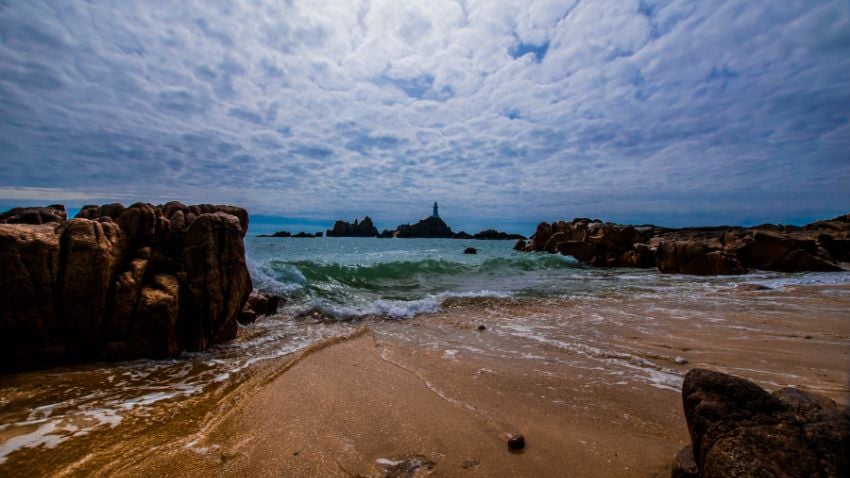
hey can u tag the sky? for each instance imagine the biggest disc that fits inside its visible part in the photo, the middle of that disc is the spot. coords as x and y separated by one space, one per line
507 113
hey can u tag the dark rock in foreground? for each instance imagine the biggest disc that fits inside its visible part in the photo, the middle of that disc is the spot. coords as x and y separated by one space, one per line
820 246
358 229
739 429
470 250
118 283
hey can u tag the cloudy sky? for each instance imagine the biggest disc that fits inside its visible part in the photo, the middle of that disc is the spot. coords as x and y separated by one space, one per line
505 112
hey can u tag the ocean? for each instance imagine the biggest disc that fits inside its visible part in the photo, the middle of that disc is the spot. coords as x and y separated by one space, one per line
598 327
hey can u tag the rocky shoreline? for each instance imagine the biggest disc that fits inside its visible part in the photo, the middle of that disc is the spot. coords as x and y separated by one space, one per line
820 246
119 282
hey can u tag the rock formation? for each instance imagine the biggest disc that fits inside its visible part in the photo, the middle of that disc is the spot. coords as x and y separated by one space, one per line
820 246
739 429
430 227
358 229
116 282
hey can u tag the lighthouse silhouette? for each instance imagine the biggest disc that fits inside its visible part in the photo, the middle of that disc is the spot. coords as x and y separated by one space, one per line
436 214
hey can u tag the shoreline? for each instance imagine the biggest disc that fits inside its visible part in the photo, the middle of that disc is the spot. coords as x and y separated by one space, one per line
434 393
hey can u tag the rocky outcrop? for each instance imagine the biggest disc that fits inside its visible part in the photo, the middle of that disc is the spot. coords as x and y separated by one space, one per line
119 282
430 227
739 429
34 215
820 246
358 229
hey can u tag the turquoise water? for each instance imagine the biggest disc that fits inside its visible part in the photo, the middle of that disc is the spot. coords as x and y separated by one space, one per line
399 278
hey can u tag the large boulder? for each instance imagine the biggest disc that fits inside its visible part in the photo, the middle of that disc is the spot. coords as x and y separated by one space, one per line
120 282
739 429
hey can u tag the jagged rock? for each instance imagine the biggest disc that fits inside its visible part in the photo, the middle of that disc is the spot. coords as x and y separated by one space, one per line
463 235
34 215
119 282
303 234
739 429
358 229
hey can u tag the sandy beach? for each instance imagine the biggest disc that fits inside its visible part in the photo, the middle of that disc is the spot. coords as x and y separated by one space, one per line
436 396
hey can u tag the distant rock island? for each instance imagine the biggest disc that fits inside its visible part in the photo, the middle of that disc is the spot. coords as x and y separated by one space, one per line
431 227
289 234
364 228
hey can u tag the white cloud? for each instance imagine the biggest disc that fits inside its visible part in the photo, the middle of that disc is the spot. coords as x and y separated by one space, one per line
331 108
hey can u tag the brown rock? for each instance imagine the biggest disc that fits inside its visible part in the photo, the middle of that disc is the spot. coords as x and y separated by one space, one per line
125 299
583 251
694 257
258 304
217 284
520 245
551 244
684 465
90 255
139 224
739 429
156 325
541 235
34 215
29 325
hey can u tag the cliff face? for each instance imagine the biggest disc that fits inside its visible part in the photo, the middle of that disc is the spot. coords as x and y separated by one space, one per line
119 283
361 229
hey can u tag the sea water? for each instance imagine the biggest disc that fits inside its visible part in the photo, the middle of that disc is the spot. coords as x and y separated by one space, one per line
538 308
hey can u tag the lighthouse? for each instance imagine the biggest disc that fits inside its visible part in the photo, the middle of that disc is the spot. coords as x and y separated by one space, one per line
436 214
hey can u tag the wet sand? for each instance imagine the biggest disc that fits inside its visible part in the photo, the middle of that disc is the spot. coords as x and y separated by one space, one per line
592 383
